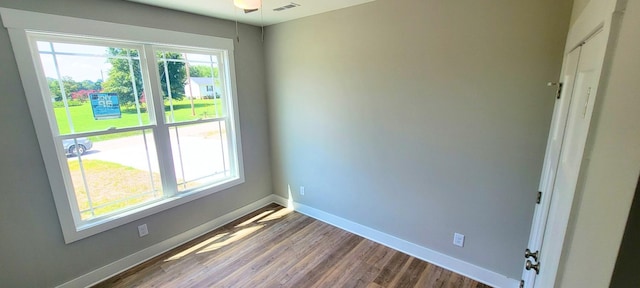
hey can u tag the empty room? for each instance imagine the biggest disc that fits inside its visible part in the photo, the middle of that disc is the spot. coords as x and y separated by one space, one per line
353 143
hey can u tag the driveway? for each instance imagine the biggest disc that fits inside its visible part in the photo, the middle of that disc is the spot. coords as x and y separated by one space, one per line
200 154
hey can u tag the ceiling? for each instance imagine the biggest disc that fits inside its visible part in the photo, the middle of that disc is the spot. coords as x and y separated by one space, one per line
225 9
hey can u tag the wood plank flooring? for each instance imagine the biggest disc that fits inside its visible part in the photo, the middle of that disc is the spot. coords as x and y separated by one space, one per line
275 247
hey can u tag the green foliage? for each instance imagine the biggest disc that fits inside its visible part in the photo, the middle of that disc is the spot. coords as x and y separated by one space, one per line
90 85
203 71
120 81
71 87
177 75
70 103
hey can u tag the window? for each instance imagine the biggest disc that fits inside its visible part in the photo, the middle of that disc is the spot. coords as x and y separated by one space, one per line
120 138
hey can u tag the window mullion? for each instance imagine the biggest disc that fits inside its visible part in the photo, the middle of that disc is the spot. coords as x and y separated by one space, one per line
134 86
213 78
228 112
182 176
63 91
222 151
161 131
68 184
85 184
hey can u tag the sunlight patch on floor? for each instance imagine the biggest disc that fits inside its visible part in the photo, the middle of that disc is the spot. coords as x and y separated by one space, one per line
234 237
245 223
196 247
290 199
281 213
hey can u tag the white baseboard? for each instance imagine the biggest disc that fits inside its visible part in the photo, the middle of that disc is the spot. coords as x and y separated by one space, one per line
450 263
469 270
112 269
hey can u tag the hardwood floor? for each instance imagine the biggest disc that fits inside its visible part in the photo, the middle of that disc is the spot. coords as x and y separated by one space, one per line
275 247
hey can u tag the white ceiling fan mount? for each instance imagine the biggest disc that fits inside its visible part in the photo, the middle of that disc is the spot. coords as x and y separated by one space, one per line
248 5
274 11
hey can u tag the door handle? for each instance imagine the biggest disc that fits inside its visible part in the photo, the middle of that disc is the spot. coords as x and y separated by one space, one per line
528 253
559 91
531 266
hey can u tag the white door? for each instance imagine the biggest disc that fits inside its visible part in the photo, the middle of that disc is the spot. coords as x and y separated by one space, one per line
554 144
565 147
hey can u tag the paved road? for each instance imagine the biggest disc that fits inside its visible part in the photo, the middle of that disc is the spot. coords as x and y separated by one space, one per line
200 153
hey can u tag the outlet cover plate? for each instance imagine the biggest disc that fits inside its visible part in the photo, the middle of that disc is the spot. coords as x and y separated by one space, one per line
143 230
458 239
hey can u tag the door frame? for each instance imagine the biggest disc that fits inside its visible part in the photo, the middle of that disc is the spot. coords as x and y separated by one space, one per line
598 17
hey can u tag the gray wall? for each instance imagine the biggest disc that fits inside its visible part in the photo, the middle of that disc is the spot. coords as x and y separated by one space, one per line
32 250
419 118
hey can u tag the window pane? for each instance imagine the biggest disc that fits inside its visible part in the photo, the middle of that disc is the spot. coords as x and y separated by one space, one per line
44 46
195 90
93 88
79 49
112 175
200 154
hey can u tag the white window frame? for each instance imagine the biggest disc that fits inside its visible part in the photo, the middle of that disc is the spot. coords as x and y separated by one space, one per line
21 23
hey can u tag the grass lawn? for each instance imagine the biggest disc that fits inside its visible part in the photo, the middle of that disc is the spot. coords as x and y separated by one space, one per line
83 121
113 186
109 182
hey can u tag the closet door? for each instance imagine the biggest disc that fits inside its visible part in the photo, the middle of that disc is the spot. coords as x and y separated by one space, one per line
565 149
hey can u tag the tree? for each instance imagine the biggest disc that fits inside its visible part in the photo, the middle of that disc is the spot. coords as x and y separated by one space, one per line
177 75
202 71
120 82
90 85
70 86
54 89
97 85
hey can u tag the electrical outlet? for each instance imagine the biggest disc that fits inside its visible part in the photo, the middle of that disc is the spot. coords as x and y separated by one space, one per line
458 239
143 230
302 190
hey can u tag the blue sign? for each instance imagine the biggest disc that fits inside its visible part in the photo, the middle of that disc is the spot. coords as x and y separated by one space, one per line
105 106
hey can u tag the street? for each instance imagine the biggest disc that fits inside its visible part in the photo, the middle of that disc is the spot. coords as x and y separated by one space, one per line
200 154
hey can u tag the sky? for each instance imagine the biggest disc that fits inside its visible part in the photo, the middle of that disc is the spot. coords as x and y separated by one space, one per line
91 65
90 62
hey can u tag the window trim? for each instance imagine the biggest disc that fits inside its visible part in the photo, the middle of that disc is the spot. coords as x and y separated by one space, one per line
19 23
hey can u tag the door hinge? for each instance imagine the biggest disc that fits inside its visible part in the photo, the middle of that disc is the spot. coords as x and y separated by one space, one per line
539 197
521 283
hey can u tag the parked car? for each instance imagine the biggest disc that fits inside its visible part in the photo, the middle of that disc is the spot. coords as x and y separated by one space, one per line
70 148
